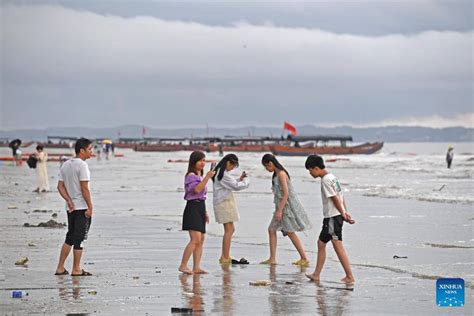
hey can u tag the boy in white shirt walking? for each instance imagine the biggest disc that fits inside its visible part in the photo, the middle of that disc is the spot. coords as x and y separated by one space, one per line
335 213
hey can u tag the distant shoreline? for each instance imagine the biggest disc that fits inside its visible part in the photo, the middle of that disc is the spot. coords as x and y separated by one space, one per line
387 134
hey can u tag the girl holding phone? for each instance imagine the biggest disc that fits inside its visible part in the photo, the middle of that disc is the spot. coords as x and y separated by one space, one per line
195 215
225 209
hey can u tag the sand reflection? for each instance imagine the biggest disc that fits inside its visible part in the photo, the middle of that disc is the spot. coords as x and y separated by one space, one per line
192 293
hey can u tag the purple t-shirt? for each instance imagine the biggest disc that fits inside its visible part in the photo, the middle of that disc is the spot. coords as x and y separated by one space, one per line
190 182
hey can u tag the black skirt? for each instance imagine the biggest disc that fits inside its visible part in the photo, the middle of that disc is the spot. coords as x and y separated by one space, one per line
194 216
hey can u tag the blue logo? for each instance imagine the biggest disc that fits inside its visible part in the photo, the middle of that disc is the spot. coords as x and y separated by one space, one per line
450 292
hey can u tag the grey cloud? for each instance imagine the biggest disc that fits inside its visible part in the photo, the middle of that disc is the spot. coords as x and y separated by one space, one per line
83 68
362 17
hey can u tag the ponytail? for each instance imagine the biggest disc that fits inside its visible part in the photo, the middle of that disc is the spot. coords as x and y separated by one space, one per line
271 158
221 166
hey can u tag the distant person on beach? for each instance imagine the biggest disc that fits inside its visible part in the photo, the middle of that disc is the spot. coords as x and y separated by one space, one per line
97 150
16 152
195 215
335 213
221 150
18 157
41 170
73 185
225 210
450 156
106 148
289 215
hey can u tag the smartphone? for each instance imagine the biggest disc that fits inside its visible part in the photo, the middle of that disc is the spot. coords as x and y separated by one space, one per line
213 166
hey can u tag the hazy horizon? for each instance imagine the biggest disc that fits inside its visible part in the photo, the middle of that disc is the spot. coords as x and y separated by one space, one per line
240 126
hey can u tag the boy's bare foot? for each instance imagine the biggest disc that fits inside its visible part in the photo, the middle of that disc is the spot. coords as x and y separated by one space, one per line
313 277
200 271
348 280
185 270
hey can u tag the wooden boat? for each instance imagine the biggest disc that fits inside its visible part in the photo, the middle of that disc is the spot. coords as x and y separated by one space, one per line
247 148
159 147
364 149
123 145
290 146
245 144
176 144
127 142
60 142
58 145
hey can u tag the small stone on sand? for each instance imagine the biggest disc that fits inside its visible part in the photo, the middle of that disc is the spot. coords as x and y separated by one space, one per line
21 261
260 282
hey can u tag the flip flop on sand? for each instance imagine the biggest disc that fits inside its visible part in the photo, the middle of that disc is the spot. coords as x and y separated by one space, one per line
301 263
267 262
241 261
65 272
225 261
84 273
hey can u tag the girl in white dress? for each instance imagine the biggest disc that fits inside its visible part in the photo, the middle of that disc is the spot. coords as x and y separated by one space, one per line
225 210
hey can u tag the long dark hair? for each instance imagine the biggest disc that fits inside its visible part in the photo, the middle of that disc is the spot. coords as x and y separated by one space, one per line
271 158
193 159
220 167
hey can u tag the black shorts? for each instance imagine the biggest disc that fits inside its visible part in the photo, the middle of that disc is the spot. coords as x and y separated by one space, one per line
332 229
77 228
194 216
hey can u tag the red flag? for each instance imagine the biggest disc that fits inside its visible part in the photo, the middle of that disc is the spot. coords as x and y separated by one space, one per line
290 128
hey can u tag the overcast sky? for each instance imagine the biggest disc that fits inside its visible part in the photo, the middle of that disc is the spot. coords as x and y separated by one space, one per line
234 63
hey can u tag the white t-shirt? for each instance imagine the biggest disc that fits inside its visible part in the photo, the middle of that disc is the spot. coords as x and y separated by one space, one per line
71 173
224 187
330 187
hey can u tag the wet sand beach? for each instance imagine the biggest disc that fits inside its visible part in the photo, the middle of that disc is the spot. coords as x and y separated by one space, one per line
135 246
135 272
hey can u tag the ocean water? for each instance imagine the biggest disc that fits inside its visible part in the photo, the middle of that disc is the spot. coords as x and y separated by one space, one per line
404 199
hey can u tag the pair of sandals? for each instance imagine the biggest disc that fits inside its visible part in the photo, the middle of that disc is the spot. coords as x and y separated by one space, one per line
241 261
83 273
233 261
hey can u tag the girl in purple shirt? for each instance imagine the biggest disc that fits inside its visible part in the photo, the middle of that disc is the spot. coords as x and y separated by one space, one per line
195 215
